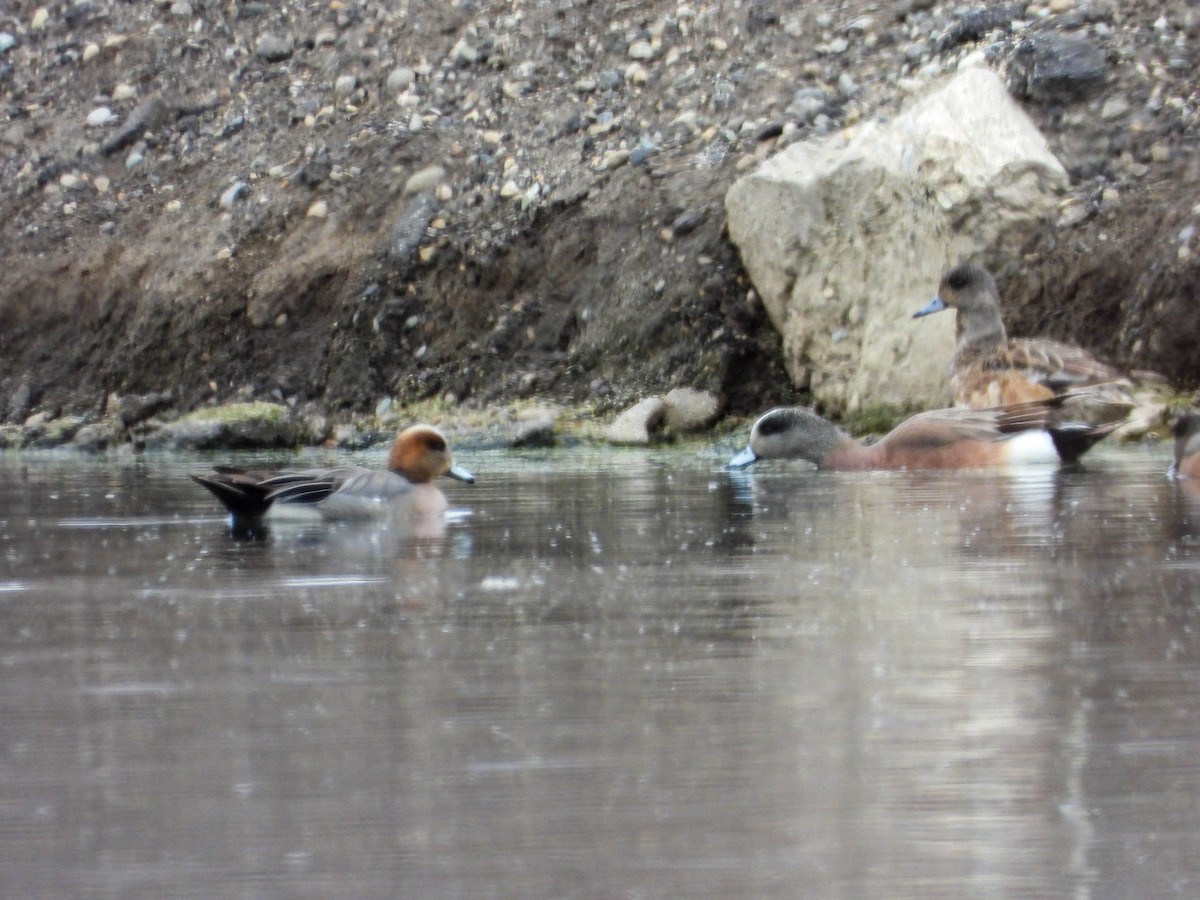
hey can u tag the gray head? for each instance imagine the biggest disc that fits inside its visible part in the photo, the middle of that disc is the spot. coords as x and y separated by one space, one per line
967 287
970 289
790 432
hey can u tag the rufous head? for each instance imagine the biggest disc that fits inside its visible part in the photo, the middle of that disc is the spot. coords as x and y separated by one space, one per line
420 453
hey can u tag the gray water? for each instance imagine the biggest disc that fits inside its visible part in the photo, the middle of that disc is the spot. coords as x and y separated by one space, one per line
625 675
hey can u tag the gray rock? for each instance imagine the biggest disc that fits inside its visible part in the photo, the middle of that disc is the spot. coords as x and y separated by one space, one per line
688 409
236 426
149 115
233 193
97 436
409 230
274 48
1057 68
634 426
133 409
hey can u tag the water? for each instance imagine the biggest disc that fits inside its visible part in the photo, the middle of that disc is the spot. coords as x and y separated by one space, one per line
614 675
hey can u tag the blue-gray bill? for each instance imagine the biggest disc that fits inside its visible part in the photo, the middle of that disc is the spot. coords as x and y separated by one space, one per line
744 459
460 474
937 304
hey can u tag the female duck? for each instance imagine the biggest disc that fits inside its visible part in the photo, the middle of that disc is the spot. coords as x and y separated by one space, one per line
991 369
1019 434
418 455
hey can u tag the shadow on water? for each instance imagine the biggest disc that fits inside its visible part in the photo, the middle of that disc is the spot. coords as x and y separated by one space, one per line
610 674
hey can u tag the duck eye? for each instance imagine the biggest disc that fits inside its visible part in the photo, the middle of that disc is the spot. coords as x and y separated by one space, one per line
437 445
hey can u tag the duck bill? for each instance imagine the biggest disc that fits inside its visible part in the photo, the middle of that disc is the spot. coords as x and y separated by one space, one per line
458 473
743 460
937 304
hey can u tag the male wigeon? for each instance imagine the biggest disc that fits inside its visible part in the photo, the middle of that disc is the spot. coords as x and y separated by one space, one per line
1186 429
1018 434
418 455
991 369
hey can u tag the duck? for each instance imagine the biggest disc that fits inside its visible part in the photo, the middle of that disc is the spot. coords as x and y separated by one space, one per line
418 455
1186 429
1032 432
990 369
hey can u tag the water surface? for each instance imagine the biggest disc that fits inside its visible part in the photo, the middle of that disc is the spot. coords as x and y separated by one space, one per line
616 674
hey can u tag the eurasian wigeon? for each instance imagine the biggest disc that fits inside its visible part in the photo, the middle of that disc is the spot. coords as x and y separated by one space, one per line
418 455
990 369
1186 429
1018 434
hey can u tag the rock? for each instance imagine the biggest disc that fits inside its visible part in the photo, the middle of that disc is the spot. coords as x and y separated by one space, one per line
634 426
844 240
688 409
97 436
233 193
400 80
236 426
536 434
133 409
1057 68
99 117
409 230
273 48
426 179
148 115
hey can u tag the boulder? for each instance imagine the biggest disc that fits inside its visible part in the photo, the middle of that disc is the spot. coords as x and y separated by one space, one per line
235 426
635 425
845 238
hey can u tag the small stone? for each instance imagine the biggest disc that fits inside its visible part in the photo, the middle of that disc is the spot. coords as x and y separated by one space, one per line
641 50
273 48
233 193
463 54
90 52
326 38
69 180
426 179
509 190
40 18
614 159
174 206
318 210
123 92
344 86
492 138
1058 7
99 117
101 184
400 80
1114 108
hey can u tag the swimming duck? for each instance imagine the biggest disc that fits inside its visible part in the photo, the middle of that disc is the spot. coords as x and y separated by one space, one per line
990 369
1186 429
1018 434
418 455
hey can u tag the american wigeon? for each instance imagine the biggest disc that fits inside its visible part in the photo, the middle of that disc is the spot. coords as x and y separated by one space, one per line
1018 434
991 369
418 455
1186 429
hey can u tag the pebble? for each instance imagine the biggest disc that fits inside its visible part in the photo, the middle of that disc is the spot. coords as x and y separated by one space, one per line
426 179
100 116
318 210
641 50
40 17
123 92
401 79
90 52
101 184
233 193
273 48
344 86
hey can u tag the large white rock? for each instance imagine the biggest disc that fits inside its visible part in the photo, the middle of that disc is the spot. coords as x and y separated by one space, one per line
845 238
